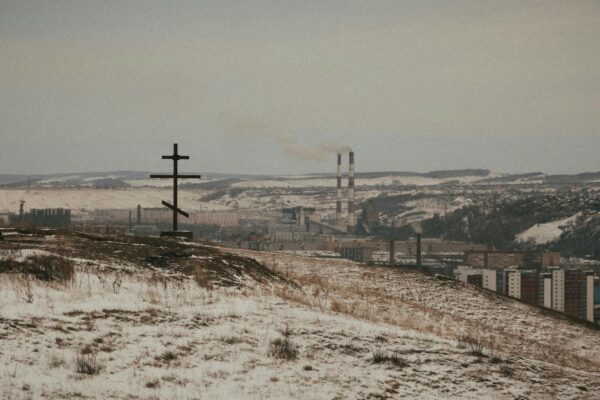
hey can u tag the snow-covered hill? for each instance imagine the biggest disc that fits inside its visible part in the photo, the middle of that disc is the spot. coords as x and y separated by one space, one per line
128 327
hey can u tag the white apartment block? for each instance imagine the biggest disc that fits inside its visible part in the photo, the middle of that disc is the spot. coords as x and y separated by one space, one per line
514 284
589 298
558 290
547 292
489 279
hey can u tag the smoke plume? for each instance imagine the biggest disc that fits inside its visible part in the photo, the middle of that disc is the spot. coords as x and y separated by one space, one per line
319 152
254 127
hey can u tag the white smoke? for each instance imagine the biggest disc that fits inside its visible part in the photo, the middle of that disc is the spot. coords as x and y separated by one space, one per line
252 127
318 152
417 227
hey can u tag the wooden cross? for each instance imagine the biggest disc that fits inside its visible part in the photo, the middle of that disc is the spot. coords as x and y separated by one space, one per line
175 157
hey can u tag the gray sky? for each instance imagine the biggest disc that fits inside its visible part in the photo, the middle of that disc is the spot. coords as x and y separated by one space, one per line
270 87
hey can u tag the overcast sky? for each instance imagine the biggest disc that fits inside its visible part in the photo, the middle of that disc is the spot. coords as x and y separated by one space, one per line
273 86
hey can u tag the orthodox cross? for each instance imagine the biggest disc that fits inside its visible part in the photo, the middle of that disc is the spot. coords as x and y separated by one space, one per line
176 210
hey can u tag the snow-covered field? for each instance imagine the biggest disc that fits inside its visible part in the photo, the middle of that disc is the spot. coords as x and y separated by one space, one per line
160 182
79 200
342 331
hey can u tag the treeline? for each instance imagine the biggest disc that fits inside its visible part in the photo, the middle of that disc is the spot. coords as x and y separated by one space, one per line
582 241
498 224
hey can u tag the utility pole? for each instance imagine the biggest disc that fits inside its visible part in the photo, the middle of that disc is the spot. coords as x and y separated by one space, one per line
175 176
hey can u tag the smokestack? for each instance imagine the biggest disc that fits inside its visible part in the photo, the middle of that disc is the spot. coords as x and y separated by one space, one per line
351 222
139 215
338 198
418 228
392 243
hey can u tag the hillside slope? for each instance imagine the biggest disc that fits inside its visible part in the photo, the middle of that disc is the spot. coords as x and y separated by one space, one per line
154 319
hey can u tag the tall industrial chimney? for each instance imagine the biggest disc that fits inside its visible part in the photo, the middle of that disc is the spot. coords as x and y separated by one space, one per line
351 221
338 198
139 215
392 242
418 228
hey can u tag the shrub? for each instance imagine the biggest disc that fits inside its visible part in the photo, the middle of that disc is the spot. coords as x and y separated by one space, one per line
230 339
167 356
153 384
283 348
380 357
475 344
87 364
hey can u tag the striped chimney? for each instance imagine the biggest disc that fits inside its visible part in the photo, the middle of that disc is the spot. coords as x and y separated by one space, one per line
338 199
351 221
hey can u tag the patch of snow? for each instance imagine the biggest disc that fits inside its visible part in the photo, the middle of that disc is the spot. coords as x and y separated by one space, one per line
546 233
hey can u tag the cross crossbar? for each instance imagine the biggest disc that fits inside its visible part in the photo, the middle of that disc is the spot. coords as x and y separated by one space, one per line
176 156
178 176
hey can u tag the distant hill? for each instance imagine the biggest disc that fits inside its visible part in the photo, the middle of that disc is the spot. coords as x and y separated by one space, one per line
566 221
219 180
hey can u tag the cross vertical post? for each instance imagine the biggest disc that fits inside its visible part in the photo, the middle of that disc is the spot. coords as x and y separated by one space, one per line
175 176
175 155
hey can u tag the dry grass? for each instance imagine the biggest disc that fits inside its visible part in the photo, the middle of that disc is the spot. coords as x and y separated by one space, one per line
283 347
475 344
47 268
167 356
379 306
381 357
86 363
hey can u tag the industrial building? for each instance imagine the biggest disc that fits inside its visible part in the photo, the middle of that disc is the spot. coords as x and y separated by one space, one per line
42 218
303 224
550 259
152 215
493 259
